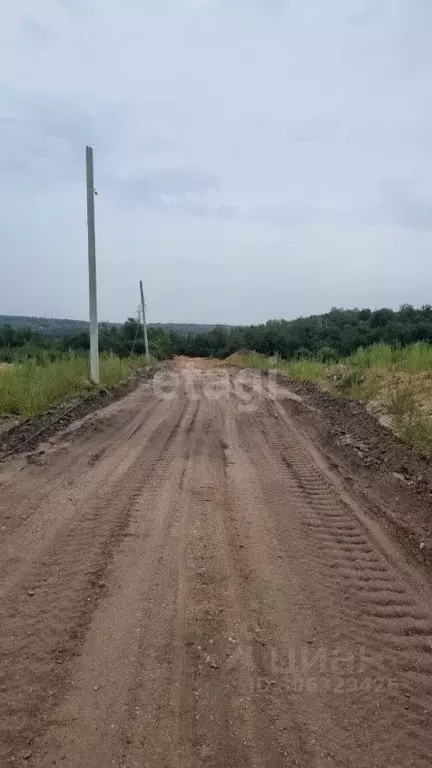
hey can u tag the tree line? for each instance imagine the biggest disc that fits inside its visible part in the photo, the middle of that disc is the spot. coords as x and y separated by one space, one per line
332 335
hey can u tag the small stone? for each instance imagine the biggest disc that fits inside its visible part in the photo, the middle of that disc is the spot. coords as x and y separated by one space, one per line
30 592
27 755
422 545
95 687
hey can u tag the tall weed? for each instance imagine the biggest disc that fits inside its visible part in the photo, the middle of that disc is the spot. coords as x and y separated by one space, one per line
28 388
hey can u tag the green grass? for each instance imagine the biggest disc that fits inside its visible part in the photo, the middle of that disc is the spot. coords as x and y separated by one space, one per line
409 420
28 389
397 380
415 358
305 369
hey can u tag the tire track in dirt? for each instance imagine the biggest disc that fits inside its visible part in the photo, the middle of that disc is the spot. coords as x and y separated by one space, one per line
102 722
215 694
397 636
283 611
206 709
48 515
30 481
46 611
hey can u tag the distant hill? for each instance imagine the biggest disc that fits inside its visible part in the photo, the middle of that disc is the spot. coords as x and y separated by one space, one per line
54 327
51 327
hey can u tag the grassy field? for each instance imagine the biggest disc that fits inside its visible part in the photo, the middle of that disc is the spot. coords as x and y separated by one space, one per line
395 382
27 389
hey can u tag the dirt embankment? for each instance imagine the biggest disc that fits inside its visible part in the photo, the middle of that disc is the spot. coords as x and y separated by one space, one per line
198 577
392 477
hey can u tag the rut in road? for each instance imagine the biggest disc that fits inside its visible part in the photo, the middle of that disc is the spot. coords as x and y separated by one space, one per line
185 582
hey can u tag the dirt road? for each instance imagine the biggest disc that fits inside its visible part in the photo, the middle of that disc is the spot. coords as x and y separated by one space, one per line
185 582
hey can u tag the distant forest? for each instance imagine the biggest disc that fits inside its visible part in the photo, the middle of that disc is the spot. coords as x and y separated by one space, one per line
335 334
58 328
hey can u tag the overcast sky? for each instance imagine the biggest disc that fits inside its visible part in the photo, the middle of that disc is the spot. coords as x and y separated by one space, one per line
253 158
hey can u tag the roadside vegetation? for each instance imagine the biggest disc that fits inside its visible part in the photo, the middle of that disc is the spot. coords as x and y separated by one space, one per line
395 382
29 388
38 370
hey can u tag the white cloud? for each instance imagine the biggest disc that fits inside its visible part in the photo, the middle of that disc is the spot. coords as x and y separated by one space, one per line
219 127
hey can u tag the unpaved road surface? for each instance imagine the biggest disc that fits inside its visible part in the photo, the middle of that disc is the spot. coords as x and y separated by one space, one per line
185 582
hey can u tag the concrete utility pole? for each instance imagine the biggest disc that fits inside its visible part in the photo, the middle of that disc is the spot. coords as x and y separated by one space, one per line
94 331
144 323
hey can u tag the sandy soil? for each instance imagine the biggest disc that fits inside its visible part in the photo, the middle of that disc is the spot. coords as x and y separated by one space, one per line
189 582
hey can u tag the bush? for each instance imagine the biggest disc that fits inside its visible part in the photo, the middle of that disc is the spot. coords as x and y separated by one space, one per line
328 355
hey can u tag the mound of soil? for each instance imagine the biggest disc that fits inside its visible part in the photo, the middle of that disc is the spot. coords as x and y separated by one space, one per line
240 354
